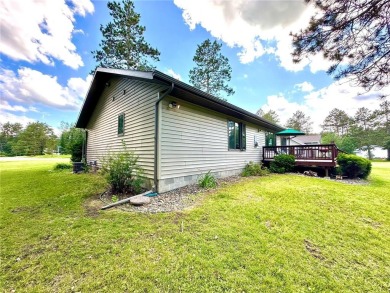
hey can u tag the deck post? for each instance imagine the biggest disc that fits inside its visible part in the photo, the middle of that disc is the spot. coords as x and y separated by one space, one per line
326 172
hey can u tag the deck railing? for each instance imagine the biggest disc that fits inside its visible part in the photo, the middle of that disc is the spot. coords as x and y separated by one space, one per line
326 153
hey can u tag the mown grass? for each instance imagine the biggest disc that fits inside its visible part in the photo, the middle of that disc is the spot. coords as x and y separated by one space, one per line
277 233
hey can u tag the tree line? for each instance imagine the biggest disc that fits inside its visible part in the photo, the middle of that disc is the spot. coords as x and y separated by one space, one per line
364 130
38 138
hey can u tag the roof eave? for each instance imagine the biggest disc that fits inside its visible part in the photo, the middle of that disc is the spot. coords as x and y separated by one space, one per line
220 103
183 90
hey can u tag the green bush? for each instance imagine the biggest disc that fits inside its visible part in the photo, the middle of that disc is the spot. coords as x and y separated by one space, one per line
71 142
282 163
207 180
63 166
354 166
254 169
76 150
123 173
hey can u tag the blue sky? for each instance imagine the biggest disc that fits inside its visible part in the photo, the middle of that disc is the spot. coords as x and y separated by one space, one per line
46 55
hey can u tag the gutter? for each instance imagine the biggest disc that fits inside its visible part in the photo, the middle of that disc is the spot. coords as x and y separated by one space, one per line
157 134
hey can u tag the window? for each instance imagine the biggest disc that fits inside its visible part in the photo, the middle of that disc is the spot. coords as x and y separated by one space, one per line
121 124
237 135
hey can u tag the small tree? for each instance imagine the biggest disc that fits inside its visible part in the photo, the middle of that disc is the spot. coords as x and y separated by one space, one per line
345 143
212 70
9 133
123 45
71 142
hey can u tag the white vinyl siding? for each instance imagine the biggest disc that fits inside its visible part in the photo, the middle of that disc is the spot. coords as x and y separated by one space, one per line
136 100
194 140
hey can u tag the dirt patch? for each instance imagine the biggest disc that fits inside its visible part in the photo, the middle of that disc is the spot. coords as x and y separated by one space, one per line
313 249
92 206
268 224
371 222
25 209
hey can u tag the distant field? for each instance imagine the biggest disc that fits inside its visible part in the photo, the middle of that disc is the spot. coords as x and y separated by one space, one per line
54 158
280 233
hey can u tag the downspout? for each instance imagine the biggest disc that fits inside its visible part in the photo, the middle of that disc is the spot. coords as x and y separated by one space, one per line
84 147
157 134
85 144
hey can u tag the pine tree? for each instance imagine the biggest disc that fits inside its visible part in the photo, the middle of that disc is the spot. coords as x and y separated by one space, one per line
123 45
300 121
353 35
270 115
337 121
212 70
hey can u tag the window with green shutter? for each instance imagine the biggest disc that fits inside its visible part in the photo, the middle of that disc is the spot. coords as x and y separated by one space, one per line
121 124
236 135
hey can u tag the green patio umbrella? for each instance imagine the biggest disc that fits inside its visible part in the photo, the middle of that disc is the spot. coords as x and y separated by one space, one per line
290 133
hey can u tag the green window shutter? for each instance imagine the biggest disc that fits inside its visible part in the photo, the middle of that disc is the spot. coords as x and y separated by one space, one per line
121 124
243 136
231 135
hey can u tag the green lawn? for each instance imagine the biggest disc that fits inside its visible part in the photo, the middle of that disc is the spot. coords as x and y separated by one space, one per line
281 233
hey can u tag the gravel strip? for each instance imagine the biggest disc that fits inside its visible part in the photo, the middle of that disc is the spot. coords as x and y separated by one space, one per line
174 200
356 181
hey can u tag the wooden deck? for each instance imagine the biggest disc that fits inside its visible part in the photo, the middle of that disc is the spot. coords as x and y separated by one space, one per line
320 155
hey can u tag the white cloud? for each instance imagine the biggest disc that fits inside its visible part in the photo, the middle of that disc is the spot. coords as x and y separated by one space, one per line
41 30
12 118
304 86
4 105
170 72
256 27
317 104
32 87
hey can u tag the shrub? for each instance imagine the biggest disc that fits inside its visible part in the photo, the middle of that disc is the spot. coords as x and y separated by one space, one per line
76 150
207 180
254 169
62 166
122 172
282 163
354 166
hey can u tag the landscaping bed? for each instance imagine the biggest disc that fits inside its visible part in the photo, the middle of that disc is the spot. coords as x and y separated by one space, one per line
174 200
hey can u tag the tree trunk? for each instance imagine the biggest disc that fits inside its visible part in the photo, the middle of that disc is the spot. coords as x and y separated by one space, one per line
369 153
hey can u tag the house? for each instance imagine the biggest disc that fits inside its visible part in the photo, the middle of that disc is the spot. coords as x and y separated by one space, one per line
178 131
307 139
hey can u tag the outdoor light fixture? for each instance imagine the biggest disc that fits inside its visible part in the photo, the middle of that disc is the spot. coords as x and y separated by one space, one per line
107 84
174 105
